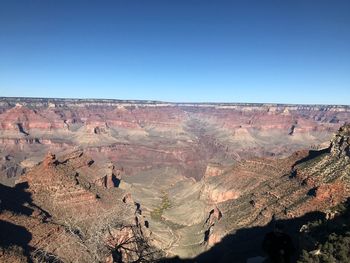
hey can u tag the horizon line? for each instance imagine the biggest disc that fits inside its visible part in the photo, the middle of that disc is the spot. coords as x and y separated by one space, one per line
152 101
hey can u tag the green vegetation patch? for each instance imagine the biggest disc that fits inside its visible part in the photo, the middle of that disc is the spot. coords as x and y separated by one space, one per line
157 213
331 238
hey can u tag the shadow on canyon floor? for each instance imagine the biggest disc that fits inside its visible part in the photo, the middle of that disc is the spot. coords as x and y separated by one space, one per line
15 200
247 242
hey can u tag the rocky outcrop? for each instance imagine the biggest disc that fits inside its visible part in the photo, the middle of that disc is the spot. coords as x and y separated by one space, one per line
340 145
111 178
213 170
71 216
210 238
50 160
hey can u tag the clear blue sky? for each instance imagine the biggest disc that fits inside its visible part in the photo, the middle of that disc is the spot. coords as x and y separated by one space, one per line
294 51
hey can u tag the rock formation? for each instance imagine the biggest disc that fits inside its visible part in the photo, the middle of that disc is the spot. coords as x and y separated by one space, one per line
71 217
341 142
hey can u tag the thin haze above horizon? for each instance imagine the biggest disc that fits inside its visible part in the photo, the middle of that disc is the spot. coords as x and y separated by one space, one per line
178 51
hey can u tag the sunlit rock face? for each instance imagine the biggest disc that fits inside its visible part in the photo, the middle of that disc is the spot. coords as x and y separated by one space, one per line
180 175
340 145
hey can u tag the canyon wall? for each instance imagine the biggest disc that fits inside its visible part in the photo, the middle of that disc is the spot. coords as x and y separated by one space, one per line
142 135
